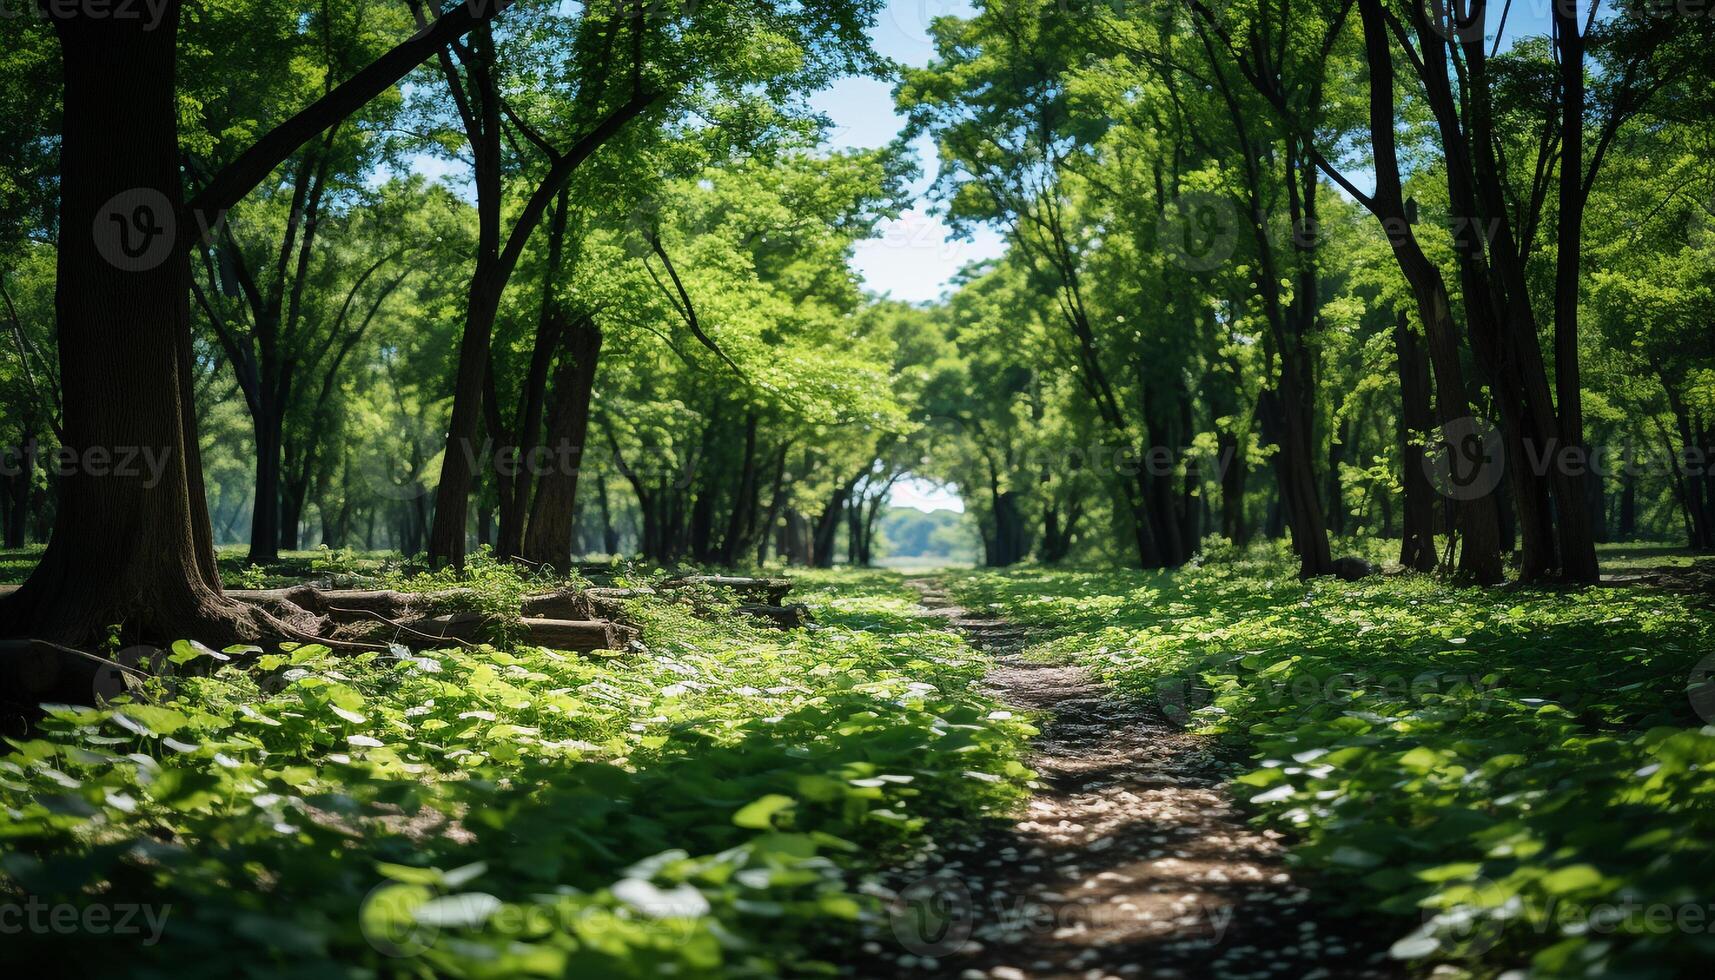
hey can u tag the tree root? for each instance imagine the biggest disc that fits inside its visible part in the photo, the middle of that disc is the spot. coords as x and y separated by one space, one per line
34 670
401 628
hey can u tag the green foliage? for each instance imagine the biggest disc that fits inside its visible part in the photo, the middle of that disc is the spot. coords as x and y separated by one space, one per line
708 808
1513 777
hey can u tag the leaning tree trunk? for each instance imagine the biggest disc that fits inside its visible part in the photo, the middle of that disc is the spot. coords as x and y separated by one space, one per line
1479 555
125 549
446 544
553 514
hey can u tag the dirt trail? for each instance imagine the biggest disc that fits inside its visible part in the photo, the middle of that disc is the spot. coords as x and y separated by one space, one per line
1129 861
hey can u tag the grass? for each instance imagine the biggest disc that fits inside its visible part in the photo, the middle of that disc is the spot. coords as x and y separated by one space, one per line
710 807
1509 777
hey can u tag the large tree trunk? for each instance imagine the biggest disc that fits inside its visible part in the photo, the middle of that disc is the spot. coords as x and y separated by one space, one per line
1495 284
128 547
553 514
1287 411
1059 527
133 544
1233 471
1166 521
497 258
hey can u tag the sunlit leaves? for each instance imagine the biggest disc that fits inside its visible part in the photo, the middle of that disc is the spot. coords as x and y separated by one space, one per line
520 809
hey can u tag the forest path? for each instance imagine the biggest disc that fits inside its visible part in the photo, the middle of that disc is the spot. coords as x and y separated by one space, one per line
1129 860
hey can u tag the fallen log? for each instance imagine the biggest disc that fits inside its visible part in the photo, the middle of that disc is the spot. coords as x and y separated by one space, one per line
597 603
582 636
567 604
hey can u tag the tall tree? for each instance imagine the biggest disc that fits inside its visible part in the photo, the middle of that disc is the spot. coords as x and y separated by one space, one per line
129 548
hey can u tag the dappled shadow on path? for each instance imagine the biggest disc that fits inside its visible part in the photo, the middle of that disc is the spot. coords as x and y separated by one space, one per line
1129 860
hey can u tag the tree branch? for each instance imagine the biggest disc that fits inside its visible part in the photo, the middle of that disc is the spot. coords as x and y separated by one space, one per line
253 165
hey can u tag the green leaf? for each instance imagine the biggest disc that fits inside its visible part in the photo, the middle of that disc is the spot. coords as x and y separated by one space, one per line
1575 877
759 814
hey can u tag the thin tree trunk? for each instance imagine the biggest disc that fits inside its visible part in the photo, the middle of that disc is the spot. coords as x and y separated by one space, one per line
515 488
609 533
1629 497
23 489
1479 555
743 513
776 502
1416 417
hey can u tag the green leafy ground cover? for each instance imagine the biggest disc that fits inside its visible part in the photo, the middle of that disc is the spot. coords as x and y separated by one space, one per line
1518 779
708 808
